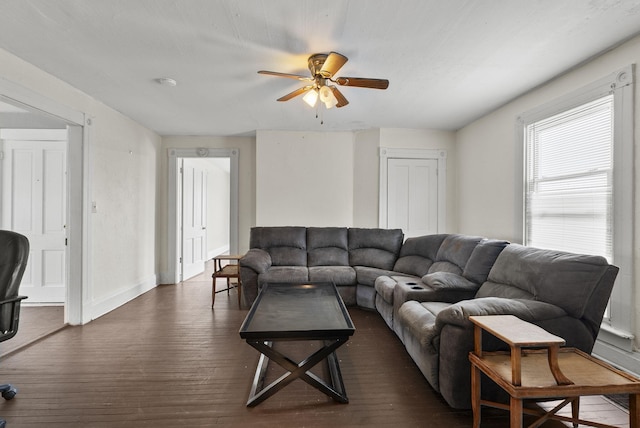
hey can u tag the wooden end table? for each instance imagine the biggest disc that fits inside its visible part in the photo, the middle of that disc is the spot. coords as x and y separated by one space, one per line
229 271
543 371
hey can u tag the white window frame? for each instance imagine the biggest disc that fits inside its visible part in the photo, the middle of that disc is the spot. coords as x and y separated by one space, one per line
616 331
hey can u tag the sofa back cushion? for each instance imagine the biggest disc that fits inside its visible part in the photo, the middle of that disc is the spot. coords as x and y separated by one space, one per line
482 259
327 246
564 279
287 245
418 254
377 248
454 253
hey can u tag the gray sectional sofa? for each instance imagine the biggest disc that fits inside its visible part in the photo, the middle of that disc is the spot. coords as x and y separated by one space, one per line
425 289
352 258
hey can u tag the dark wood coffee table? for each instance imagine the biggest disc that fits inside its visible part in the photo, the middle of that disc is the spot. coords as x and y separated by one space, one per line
297 312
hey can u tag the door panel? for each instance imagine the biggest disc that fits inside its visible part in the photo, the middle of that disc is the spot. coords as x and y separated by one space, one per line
412 196
34 204
194 228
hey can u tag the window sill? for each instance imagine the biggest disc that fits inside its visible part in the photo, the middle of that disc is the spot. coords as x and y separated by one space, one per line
616 337
616 347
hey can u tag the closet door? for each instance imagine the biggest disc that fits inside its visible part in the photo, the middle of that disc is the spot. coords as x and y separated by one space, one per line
412 196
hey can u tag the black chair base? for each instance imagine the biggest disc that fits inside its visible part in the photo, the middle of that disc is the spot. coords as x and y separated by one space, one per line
8 391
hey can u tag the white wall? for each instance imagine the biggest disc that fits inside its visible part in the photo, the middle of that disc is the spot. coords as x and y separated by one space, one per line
366 178
487 202
332 178
304 178
123 168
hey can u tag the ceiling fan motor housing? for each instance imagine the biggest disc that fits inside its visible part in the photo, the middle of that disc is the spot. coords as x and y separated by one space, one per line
316 62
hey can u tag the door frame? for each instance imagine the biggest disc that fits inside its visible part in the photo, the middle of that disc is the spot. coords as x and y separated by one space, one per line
174 205
392 153
78 294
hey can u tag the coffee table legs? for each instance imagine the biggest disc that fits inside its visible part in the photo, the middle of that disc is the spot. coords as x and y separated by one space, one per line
299 370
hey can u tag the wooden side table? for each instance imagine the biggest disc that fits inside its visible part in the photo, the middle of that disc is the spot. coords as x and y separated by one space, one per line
229 271
546 372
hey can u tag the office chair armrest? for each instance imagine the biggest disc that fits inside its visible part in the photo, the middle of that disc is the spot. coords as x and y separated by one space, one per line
14 299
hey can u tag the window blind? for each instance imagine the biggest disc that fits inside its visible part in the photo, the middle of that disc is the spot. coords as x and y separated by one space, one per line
569 183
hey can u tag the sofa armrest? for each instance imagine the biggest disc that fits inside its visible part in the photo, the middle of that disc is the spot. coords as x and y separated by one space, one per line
256 259
527 310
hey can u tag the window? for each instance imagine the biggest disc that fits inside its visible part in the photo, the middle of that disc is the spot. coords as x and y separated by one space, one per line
577 185
569 181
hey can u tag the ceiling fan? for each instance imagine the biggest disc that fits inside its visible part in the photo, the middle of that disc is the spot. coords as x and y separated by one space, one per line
323 68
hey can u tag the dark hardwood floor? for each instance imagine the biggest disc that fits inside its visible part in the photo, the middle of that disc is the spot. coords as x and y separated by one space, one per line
36 323
167 359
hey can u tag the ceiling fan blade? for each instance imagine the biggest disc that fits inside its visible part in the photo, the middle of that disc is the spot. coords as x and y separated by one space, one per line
342 101
332 64
362 82
287 75
295 93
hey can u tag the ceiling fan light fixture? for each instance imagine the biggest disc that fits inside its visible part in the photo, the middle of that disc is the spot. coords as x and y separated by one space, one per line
323 70
327 97
311 98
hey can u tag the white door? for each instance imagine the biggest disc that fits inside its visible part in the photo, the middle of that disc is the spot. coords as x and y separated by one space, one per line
34 202
412 196
194 218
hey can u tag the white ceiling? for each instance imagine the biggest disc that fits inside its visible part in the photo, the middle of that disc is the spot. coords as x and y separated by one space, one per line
448 62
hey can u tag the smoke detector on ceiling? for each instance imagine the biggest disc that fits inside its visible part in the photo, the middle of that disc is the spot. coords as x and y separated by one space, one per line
166 81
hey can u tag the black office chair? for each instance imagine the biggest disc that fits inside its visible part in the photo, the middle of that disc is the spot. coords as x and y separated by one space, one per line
14 252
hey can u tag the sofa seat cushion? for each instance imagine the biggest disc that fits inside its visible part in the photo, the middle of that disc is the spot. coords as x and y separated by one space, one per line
284 274
367 275
339 275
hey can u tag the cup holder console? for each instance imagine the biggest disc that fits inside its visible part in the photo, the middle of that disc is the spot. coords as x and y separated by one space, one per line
414 285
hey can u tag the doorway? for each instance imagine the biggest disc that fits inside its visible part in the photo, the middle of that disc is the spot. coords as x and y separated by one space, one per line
203 208
35 111
205 198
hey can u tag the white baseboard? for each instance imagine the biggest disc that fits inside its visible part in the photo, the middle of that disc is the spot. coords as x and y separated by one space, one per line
167 277
106 305
622 359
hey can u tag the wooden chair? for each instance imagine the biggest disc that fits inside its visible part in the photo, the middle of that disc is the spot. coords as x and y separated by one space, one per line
229 271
